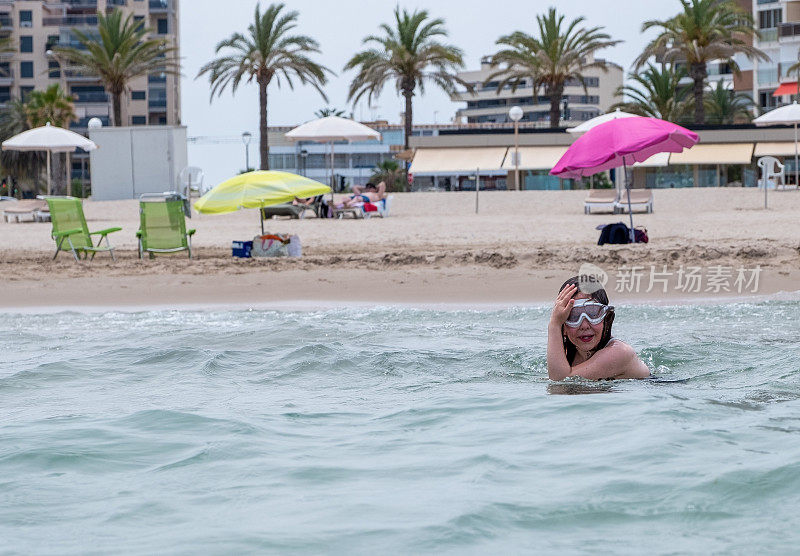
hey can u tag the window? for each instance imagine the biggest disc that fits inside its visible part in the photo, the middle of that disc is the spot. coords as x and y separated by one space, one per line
26 43
25 93
5 94
139 120
766 100
54 70
138 20
163 26
25 18
26 70
138 95
769 19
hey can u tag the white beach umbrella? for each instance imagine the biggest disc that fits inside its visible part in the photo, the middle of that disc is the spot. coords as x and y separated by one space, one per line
601 119
330 129
785 115
52 139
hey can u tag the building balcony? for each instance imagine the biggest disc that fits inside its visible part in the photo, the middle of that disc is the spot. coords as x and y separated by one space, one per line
6 77
768 35
159 6
76 75
70 21
87 98
6 23
81 4
157 105
788 30
116 2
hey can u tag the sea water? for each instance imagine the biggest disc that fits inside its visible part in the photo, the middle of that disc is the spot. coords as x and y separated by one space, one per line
396 431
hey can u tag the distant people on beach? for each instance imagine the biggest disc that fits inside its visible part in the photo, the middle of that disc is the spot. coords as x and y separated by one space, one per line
579 340
369 193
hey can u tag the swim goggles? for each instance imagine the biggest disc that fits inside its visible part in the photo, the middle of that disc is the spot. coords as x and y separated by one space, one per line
592 311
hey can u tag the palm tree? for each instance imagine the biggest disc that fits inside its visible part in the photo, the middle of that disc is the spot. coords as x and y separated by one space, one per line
268 52
657 94
410 54
705 30
391 173
121 52
558 54
725 106
325 112
24 165
52 105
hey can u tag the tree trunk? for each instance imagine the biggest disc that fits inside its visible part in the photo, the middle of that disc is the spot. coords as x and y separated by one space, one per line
555 106
263 129
408 93
698 75
117 109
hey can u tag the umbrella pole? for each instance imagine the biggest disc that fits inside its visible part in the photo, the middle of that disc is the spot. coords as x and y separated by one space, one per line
49 188
796 169
261 214
628 189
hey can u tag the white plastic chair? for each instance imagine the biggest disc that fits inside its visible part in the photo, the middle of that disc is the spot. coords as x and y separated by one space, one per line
191 180
773 174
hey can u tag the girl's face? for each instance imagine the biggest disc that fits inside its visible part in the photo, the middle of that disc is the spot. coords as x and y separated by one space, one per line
587 335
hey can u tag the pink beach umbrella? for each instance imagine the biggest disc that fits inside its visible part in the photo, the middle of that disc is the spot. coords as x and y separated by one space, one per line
622 142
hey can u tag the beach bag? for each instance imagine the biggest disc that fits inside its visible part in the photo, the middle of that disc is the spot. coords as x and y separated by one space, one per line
640 235
270 245
617 233
294 249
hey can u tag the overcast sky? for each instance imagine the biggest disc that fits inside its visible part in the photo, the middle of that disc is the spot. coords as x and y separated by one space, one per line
339 26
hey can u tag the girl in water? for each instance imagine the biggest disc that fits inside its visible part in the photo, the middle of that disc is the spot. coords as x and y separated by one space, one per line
579 341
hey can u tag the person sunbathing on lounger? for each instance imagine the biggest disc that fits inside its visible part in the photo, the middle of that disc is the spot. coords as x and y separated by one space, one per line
369 193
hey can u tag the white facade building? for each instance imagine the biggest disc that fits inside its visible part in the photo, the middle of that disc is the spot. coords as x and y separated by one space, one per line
488 105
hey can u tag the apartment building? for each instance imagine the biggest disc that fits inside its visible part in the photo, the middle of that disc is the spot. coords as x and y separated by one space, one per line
778 22
36 26
489 105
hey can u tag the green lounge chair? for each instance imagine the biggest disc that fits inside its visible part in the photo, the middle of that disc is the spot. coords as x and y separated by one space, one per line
69 226
162 225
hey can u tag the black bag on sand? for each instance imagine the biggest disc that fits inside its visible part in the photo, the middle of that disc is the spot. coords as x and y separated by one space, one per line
614 233
620 233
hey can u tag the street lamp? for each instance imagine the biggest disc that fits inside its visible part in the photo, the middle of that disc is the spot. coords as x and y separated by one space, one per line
304 160
246 136
516 115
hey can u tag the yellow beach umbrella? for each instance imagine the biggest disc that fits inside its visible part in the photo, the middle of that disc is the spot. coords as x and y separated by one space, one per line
258 189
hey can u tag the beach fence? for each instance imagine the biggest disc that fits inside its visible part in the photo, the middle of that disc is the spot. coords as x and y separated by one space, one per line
134 160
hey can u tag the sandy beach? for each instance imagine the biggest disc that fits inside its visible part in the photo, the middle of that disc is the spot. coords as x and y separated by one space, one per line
432 250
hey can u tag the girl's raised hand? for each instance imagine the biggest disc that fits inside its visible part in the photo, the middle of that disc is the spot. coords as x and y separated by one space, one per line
563 305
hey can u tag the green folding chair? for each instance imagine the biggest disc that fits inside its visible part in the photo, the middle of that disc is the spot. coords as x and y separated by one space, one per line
162 225
70 231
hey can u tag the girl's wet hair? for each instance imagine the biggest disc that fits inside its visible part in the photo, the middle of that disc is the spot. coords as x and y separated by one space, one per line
600 296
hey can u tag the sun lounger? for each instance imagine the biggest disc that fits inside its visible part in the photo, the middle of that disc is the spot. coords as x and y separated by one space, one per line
291 210
641 201
34 210
69 226
600 200
358 210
